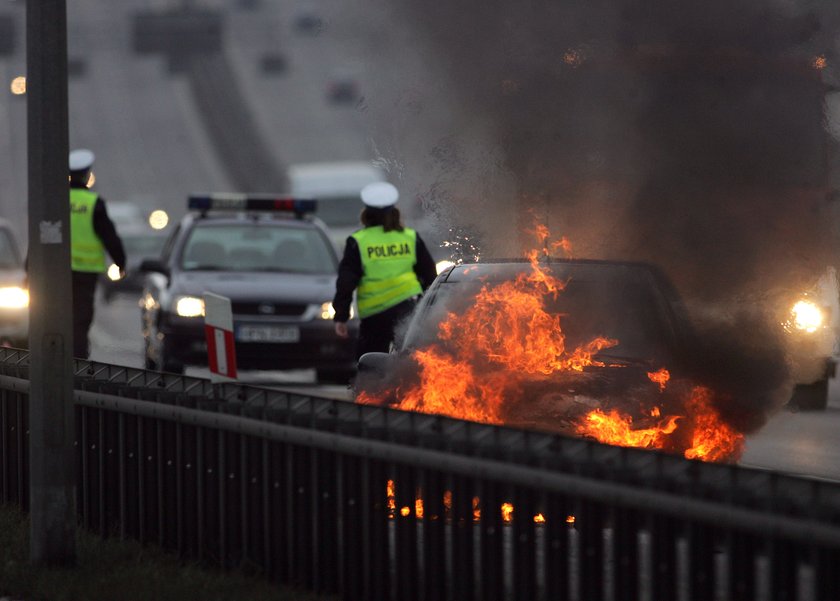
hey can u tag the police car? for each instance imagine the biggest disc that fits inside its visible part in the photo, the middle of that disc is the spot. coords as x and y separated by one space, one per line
273 259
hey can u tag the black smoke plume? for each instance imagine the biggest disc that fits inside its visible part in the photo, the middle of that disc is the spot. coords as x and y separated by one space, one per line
689 134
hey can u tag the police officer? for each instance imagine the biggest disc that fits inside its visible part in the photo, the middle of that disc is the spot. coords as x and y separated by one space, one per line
92 233
387 264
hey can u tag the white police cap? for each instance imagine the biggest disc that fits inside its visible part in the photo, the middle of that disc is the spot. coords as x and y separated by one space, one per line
380 195
81 159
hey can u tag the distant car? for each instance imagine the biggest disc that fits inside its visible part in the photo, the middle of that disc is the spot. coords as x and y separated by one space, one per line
627 316
343 90
140 243
272 258
14 293
308 22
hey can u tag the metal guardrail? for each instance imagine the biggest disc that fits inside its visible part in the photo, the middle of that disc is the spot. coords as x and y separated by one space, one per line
372 503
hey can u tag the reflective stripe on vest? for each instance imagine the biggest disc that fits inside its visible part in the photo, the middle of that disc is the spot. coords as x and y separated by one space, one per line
86 249
388 260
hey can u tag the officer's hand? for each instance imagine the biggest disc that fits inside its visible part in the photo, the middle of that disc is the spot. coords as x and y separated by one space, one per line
122 273
341 329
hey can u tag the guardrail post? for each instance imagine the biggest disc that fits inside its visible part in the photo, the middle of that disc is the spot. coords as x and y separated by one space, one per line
463 540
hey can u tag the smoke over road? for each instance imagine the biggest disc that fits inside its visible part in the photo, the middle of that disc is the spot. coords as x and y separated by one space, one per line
688 134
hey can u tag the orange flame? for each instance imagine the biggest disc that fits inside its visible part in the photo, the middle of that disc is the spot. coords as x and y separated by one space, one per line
539 519
660 377
390 497
507 512
616 428
711 439
476 505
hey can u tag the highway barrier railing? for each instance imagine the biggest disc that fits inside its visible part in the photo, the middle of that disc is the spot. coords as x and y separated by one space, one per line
373 503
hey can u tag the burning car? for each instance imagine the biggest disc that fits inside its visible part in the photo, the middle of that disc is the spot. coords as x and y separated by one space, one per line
581 347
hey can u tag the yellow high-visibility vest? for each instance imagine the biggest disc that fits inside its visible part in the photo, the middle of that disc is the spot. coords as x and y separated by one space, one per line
86 249
388 260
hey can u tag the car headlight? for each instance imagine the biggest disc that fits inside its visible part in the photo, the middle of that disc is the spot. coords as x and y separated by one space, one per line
328 311
189 306
14 297
114 273
806 316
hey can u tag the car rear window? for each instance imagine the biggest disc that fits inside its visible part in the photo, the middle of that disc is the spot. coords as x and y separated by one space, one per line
257 247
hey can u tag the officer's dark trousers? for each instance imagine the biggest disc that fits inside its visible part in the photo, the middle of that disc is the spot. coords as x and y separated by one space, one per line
377 331
84 287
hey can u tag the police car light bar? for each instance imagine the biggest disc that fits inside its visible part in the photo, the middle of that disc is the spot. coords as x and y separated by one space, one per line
251 202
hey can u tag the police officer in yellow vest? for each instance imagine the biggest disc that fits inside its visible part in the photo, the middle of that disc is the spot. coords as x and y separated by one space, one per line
92 233
388 266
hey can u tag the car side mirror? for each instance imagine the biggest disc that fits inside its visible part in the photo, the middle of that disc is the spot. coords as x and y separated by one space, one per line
375 364
153 265
373 368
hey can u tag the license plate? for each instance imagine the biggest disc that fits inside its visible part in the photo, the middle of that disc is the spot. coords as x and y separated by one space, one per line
268 334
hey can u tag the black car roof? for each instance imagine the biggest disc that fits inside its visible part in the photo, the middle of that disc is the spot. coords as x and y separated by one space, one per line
503 268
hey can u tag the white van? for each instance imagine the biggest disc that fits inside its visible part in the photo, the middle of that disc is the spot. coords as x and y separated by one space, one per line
336 187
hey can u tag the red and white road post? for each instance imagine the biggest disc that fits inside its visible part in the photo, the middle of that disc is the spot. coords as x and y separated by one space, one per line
218 329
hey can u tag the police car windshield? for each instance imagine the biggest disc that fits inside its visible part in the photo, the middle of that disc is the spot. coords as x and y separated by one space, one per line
257 247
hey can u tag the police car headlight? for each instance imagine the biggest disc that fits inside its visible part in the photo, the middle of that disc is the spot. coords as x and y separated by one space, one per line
189 306
806 316
328 311
13 297
114 273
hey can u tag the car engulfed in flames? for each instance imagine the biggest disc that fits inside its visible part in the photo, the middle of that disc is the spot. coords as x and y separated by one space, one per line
584 348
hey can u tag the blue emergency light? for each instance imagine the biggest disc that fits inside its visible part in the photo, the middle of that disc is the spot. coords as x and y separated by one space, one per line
251 202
